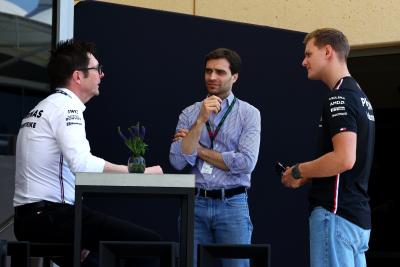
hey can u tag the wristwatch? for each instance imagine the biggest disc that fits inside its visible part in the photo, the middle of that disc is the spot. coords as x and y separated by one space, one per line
296 172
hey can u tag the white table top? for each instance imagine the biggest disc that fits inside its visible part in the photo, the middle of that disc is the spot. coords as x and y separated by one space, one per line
134 179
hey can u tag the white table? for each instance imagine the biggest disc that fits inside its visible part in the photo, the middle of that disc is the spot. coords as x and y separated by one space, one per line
180 186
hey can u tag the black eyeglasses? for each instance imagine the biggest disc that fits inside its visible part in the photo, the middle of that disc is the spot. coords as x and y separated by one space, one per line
99 69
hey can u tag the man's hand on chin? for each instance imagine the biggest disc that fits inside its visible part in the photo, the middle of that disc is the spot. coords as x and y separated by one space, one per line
154 170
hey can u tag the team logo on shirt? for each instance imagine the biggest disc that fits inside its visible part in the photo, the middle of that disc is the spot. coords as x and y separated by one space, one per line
337 97
366 104
36 113
371 117
337 104
28 124
73 118
340 108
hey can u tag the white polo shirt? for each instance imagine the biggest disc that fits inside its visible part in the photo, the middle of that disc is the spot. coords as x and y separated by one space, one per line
51 147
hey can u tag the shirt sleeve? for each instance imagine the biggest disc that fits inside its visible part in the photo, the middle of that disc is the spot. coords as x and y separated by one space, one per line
244 160
68 125
341 112
177 159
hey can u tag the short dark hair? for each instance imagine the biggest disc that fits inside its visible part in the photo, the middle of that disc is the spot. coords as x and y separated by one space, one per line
332 37
68 56
231 56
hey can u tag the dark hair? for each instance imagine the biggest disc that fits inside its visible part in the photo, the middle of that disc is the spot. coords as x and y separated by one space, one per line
231 56
332 37
67 57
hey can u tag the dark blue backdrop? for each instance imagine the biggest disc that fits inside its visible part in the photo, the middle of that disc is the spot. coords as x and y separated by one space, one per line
154 68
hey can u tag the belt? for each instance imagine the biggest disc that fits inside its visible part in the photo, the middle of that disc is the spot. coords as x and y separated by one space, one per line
36 208
218 193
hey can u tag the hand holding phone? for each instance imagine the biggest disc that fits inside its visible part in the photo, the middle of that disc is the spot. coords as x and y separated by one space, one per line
279 168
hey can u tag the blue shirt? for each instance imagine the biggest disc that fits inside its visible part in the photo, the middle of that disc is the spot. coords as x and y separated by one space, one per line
238 141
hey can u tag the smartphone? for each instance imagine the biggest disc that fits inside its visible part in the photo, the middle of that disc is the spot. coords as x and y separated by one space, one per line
279 168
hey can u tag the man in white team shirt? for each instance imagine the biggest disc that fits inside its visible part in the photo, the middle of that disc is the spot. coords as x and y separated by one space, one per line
52 147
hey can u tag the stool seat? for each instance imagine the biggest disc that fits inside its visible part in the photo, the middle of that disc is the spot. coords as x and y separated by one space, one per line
21 251
259 254
111 252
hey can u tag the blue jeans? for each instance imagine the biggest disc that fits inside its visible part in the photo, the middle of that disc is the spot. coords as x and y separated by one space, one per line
222 221
335 241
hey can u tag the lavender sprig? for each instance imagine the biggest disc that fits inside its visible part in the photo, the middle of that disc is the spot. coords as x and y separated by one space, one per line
135 141
142 132
121 134
134 130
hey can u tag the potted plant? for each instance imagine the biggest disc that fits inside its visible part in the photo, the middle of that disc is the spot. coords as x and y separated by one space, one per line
135 142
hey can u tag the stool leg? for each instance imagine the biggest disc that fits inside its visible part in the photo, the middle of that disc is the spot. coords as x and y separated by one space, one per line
165 261
46 262
261 261
107 258
23 258
3 253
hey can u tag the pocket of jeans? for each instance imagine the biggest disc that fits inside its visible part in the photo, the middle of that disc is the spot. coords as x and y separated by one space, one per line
237 201
200 202
341 232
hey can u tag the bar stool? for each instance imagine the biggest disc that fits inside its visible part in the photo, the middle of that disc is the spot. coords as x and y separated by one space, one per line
21 251
112 253
259 254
